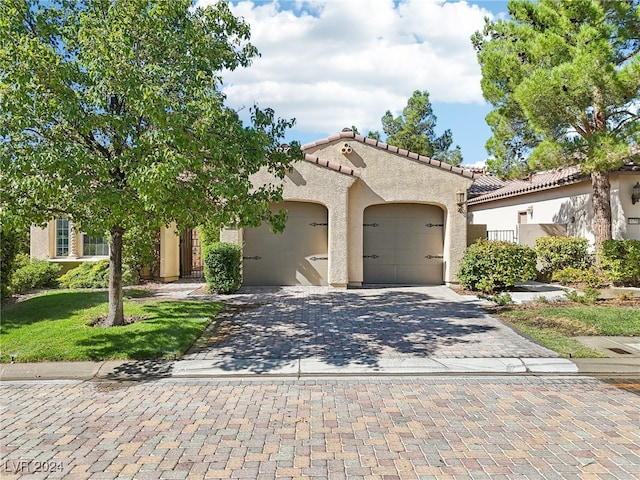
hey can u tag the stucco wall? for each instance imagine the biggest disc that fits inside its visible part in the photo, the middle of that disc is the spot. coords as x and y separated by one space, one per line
169 253
384 178
39 243
570 205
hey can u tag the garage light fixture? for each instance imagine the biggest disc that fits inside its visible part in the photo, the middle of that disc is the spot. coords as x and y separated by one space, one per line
460 200
635 193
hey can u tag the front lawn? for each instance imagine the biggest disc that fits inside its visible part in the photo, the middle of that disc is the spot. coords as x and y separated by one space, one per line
555 325
57 326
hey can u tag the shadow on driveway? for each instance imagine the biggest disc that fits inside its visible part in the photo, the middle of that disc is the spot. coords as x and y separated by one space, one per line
262 329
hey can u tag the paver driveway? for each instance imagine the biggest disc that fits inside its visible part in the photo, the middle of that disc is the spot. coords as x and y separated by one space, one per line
266 327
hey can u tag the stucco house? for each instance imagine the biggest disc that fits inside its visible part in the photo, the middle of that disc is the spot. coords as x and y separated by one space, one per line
359 211
553 202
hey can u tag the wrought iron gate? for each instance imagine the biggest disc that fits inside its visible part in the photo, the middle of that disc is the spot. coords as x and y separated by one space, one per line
190 254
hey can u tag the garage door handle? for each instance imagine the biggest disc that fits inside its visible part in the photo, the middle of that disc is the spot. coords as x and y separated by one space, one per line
370 224
319 258
434 225
256 257
371 256
433 256
315 224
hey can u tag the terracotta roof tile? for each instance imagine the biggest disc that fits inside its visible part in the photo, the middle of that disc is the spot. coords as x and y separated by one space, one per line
392 149
331 165
538 181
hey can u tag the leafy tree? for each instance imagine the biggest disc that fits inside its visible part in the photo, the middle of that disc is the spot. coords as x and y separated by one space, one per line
111 113
564 78
414 130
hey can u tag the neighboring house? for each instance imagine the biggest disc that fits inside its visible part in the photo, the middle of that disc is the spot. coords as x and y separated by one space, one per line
61 243
553 202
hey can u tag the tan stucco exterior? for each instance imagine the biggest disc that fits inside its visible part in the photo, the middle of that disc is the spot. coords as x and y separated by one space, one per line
169 253
370 174
567 205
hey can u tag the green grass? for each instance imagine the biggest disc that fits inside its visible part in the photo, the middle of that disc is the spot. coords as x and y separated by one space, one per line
554 325
56 326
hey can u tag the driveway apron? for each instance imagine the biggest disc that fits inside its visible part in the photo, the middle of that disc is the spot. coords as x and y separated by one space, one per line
265 328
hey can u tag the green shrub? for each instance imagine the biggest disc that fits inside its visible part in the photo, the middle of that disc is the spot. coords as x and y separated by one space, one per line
575 276
560 253
491 266
95 275
589 297
620 261
32 274
222 267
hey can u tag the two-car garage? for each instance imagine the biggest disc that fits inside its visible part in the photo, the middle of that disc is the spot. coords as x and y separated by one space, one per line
402 244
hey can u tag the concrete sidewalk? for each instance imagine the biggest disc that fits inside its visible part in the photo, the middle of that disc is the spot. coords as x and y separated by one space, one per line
144 370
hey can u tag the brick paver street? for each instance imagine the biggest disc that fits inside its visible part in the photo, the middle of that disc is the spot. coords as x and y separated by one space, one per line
358 326
368 428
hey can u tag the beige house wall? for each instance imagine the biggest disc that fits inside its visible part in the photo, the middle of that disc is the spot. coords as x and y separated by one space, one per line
383 178
169 253
569 205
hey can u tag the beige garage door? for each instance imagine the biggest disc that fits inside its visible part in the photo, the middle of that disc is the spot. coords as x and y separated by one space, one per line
403 244
298 256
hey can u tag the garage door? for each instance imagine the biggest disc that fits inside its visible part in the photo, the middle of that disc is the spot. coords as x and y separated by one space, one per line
403 244
298 256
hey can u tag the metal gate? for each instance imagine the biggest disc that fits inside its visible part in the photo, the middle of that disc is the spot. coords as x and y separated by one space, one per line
190 254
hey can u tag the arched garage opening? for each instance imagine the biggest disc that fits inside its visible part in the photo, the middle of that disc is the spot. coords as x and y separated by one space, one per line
403 244
298 256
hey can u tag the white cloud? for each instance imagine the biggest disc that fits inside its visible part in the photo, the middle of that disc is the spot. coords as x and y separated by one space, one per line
347 62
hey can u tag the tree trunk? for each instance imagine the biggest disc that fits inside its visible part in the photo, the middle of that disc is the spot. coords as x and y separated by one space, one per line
116 303
601 209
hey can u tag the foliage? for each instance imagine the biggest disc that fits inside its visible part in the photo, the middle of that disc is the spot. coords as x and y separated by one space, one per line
222 267
557 253
577 276
112 113
31 274
589 297
500 299
95 275
491 266
620 261
414 130
141 249
56 327
9 248
209 234
563 77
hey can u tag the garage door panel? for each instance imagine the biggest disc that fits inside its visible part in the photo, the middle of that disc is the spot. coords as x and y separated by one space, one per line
296 256
403 236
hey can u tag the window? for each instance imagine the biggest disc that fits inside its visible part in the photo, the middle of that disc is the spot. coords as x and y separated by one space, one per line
62 237
94 246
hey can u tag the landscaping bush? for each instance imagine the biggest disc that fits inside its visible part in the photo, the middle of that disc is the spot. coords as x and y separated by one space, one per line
620 261
222 262
491 266
575 276
559 253
95 275
31 274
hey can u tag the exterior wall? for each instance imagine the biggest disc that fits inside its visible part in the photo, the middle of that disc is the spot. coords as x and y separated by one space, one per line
384 178
475 232
169 253
42 245
621 207
570 205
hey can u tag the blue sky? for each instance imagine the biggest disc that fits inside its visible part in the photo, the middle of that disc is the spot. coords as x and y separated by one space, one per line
336 63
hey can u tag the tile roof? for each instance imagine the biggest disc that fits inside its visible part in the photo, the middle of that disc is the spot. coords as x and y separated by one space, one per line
331 165
537 182
348 134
